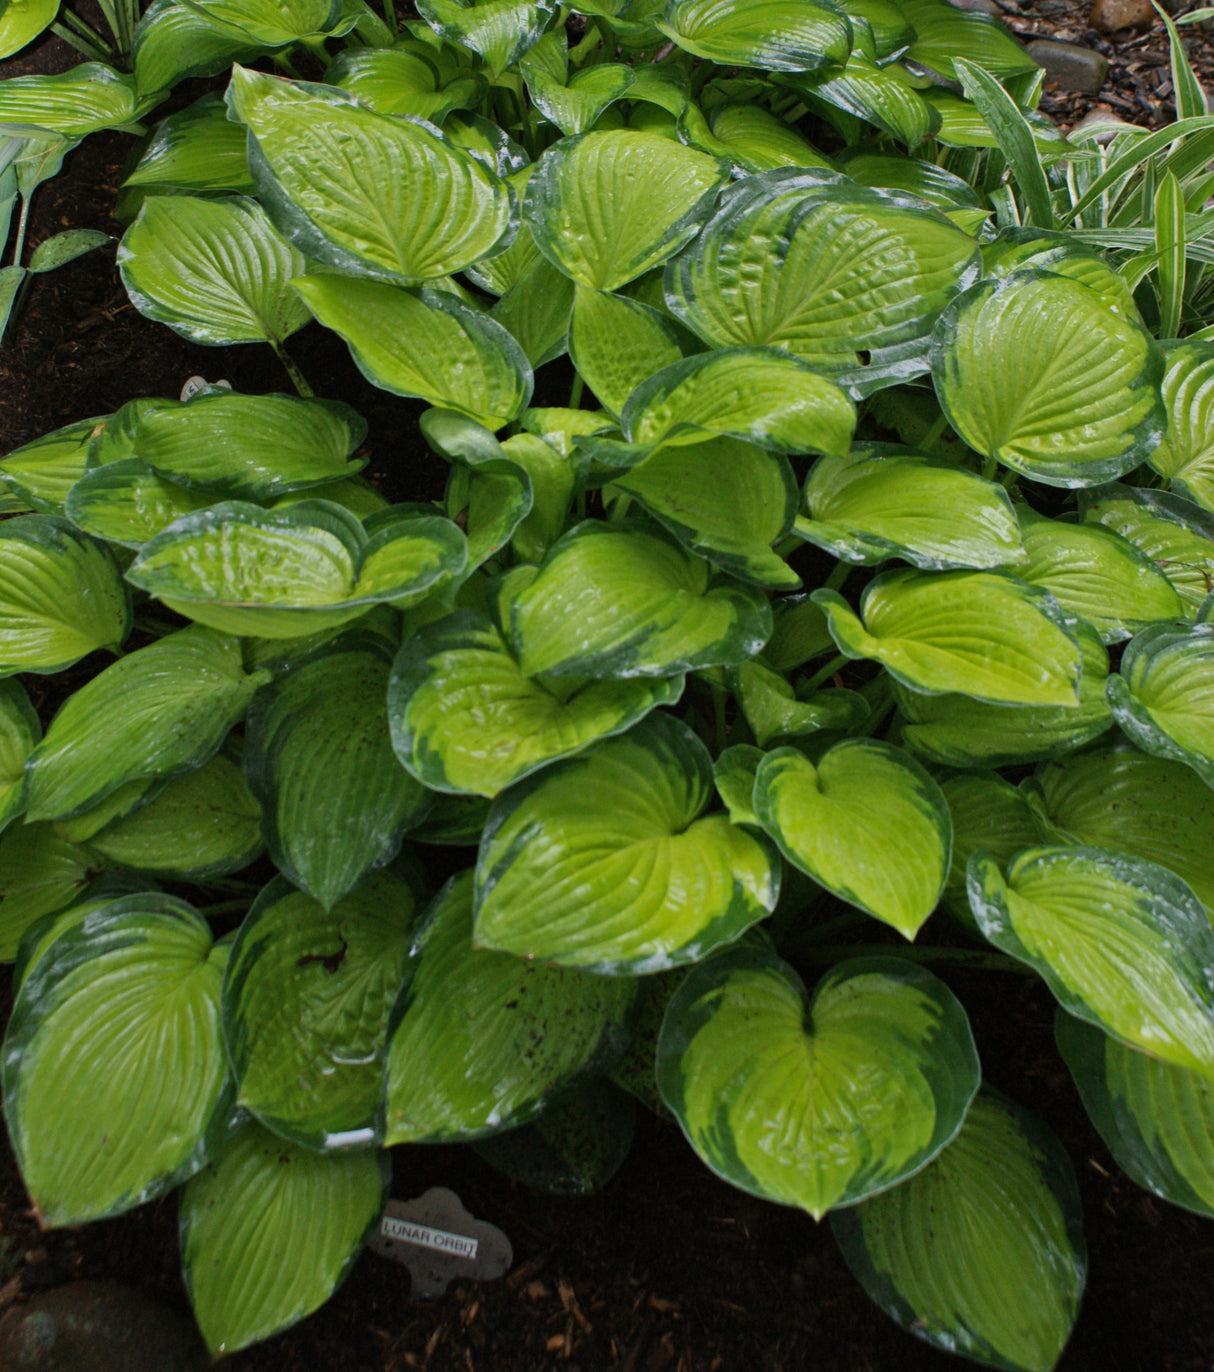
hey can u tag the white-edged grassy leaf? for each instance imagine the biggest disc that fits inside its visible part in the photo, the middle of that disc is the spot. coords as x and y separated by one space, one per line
872 503
263 1198
1156 1118
318 755
20 731
500 31
867 823
292 571
466 720
605 861
773 710
161 710
114 1069
827 270
1012 133
306 1001
42 472
815 1101
1186 455
481 1040
39 874
1148 807
1035 371
1121 942
959 731
987 813
214 271
91 96
410 204
425 344
607 207
127 503
627 601
983 634
1096 574
253 447
776 35
997 1211
1163 695
201 825
1175 534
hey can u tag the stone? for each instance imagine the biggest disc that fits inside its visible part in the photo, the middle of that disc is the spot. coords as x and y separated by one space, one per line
98 1326
1072 67
979 7
1107 16
439 1241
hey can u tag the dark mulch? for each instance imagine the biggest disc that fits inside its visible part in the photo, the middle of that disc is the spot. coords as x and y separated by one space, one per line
668 1268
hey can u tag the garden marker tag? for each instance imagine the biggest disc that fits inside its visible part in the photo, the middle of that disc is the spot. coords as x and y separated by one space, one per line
200 383
438 1241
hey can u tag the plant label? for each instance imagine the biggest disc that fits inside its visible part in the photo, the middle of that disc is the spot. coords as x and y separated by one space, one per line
439 1241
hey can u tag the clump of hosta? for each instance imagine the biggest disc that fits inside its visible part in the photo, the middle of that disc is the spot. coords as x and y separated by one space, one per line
803 604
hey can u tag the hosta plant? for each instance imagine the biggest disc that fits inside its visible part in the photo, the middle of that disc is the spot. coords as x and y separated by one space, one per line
852 617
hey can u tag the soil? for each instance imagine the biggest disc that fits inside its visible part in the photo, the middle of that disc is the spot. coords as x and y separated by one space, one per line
667 1268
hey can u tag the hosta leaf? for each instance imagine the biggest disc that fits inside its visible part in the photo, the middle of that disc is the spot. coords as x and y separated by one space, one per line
197 149
114 1069
815 1101
1186 455
883 95
997 1211
466 720
1121 942
497 274
1156 1118
251 446
214 271
801 632
39 873
617 343
988 813
600 862
1017 248
162 710
127 503
91 96
809 262
271 23
296 570
870 504
263 1198
481 1040
42 472
319 758
943 32
1149 807
306 1001
867 822
607 207
1096 574
1175 534
777 35
760 141
201 825
535 311
980 633
773 711
726 500
958 731
1164 695
733 774
1035 371
425 344
927 180
20 731
61 596
454 821
623 602
21 21
116 806
400 80
409 206
175 39
500 31
572 104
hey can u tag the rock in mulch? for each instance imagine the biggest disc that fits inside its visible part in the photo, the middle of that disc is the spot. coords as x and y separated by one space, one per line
1074 68
98 1326
1107 16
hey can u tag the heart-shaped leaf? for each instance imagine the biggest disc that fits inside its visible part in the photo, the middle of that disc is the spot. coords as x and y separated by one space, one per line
260 1199
815 1101
942 32
617 343
572 104
1176 535
275 25
214 271
466 720
481 1040
1121 942
997 1211
127 503
760 141
623 602
175 40
91 96
39 874
161 710
773 711
306 1001
61 596
1186 455
319 758
20 732
535 310
1014 373
42 472
500 31
883 95
401 80
988 813
602 862
980 633
867 822
413 205
1156 1118
197 149
776 35
22 21
114 1069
